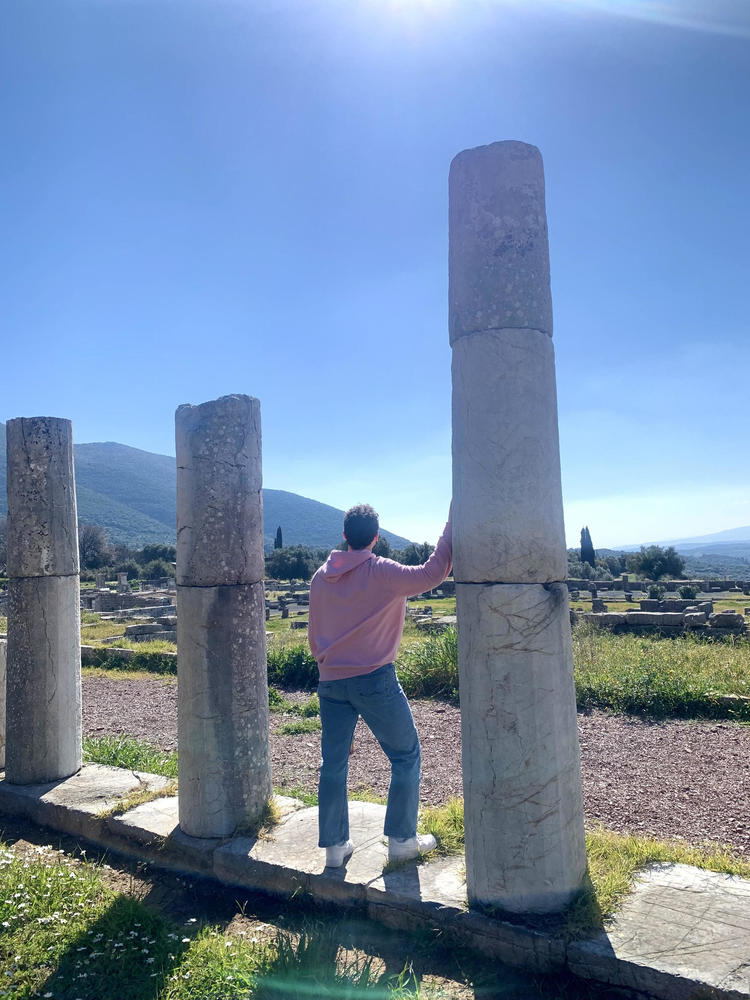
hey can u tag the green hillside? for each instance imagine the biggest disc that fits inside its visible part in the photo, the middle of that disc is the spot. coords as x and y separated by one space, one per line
131 493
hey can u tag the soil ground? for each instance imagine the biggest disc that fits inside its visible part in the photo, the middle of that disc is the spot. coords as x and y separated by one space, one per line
683 779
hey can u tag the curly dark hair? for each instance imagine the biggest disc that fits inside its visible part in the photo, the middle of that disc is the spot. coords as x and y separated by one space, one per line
360 525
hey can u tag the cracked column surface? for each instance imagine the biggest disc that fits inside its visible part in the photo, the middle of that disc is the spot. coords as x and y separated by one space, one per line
525 845
222 711
43 673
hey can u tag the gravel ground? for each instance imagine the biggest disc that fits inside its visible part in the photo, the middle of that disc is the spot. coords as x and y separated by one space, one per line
669 779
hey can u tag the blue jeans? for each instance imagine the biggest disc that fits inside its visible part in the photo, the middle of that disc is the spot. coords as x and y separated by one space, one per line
379 699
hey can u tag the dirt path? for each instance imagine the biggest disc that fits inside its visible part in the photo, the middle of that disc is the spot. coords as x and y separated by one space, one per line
669 779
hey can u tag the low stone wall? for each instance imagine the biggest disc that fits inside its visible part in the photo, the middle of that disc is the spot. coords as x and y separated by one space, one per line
717 625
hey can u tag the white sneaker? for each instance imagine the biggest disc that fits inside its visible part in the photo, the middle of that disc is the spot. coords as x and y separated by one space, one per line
404 849
337 855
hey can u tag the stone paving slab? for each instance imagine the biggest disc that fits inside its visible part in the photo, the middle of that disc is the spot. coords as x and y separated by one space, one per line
77 805
682 933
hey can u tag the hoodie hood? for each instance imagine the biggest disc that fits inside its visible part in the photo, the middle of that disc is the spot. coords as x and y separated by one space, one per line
339 563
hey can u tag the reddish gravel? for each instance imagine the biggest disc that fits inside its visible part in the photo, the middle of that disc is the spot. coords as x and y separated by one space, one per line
669 779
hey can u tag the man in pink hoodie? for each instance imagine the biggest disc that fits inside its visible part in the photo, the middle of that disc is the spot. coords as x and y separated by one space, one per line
357 609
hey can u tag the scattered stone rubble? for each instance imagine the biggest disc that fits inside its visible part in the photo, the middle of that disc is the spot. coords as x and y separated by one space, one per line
670 617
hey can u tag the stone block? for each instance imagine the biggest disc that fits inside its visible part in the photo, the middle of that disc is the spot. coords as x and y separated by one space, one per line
695 618
499 255
131 631
608 619
726 619
42 533
43 700
525 849
645 618
507 497
77 804
224 765
682 933
219 504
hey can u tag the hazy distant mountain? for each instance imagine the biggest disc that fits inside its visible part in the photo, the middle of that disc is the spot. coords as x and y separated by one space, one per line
733 543
131 493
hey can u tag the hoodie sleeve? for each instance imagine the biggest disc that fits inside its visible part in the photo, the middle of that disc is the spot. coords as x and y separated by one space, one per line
408 581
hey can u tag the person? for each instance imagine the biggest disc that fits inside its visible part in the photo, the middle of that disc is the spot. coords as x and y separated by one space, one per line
356 618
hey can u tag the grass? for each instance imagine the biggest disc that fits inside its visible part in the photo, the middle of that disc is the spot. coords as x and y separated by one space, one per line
152 646
661 678
291 664
300 726
65 933
130 753
429 669
278 703
446 824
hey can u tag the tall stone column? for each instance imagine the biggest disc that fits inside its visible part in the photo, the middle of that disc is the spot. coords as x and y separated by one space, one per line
43 699
525 847
224 760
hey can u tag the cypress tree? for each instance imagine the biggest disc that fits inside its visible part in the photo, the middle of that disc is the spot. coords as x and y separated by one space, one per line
278 543
587 548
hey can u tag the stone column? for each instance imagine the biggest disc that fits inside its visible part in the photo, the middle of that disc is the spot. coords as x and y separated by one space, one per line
3 660
43 700
224 761
525 847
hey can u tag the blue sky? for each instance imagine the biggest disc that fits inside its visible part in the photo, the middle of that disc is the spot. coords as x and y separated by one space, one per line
210 197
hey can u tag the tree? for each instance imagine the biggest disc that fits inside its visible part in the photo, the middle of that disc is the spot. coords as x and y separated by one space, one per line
93 548
129 566
654 562
383 548
278 542
156 550
587 548
414 555
296 562
157 569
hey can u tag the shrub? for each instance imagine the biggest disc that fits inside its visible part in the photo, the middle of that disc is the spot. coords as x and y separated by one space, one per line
429 669
157 569
688 592
129 566
293 667
655 592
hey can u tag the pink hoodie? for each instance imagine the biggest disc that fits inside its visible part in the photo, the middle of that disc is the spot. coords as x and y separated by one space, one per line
358 603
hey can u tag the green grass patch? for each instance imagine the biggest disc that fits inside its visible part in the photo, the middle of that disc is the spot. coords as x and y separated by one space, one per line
292 665
685 676
3 624
300 726
295 792
363 793
65 933
446 823
142 662
152 646
278 703
429 669
130 753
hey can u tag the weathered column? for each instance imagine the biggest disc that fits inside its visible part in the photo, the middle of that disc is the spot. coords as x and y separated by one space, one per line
224 761
43 699
3 660
525 848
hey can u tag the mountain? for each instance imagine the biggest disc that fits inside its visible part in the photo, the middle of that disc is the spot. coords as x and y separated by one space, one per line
733 543
132 494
